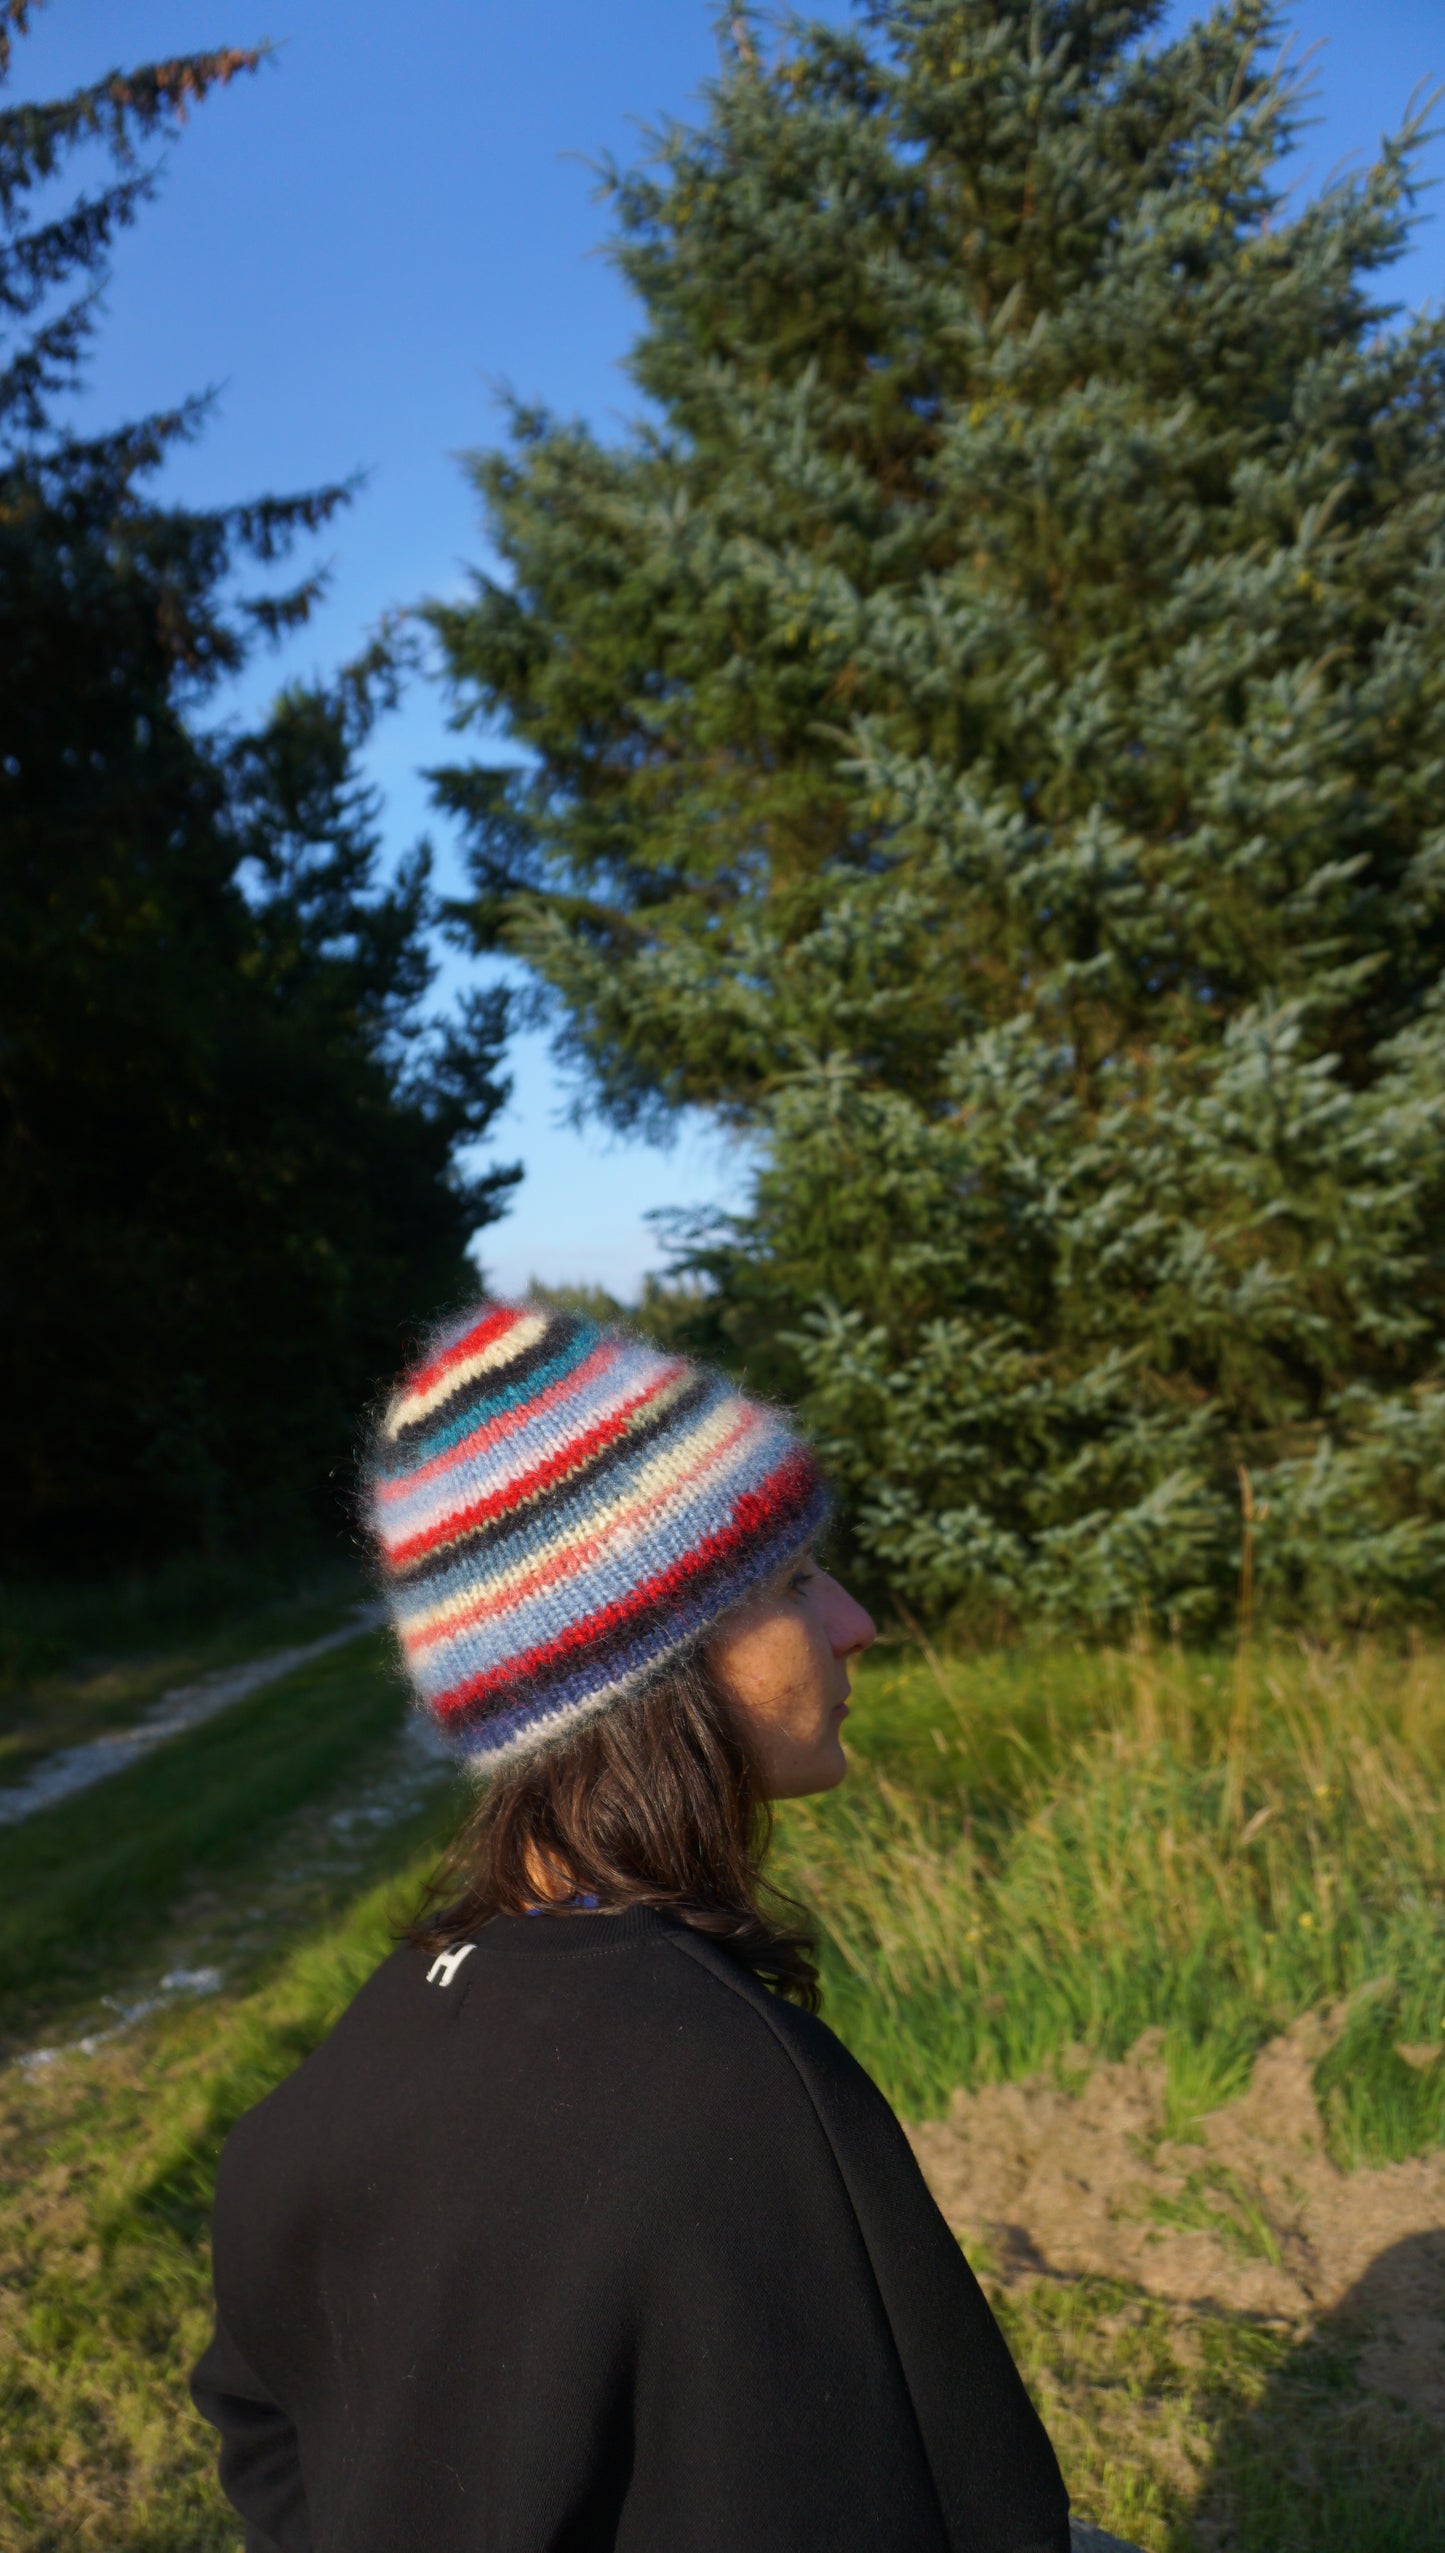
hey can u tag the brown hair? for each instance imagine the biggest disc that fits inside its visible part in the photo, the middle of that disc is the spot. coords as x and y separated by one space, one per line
657 1803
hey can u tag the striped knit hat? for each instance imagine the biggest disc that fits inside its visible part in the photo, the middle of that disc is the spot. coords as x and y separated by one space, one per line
562 1511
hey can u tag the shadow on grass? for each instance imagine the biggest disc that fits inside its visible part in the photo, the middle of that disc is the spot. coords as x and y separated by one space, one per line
1342 2450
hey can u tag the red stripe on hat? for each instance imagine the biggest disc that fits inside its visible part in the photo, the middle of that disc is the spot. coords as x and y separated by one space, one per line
490 1431
606 1431
576 1555
755 1510
493 1325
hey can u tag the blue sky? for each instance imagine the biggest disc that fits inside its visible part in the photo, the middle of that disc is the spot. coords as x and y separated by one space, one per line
394 217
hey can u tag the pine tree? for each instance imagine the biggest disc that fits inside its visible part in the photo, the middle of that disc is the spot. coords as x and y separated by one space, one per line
987 737
228 1146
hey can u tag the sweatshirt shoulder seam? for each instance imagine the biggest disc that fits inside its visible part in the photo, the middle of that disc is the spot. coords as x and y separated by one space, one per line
761 2004
736 1986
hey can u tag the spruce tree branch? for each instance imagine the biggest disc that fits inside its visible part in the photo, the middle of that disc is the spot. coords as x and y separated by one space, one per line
14 20
32 261
116 111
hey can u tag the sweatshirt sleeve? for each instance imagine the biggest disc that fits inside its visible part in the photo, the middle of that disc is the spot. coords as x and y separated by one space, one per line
879 2331
260 2463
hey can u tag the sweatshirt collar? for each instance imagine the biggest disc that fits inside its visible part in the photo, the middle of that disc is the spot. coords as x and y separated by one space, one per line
529 1936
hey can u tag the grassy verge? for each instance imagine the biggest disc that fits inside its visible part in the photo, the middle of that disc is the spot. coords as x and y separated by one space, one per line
1033 1852
1038 1856
109 2164
78 1660
86 1887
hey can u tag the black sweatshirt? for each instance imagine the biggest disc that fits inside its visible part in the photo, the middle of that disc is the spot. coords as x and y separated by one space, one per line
582 2239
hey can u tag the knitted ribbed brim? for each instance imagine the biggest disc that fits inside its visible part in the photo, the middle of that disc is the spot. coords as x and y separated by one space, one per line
562 1511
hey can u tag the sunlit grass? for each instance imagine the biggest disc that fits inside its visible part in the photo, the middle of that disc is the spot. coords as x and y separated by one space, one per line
109 2166
1037 1855
1027 1860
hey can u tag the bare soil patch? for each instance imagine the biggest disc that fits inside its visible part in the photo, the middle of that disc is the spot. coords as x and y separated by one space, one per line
1246 2213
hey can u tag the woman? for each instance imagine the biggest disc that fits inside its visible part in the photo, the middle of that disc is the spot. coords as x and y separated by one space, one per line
581 2230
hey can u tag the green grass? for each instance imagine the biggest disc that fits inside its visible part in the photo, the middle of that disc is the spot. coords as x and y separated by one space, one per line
109 2165
1378 2106
77 1660
1204 2433
87 1886
1215 2201
1037 1855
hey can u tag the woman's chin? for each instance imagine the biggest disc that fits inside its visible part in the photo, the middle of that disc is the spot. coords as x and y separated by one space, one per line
821 1771
837 1767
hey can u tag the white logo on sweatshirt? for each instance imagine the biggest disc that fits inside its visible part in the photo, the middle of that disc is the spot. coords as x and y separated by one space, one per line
444 1967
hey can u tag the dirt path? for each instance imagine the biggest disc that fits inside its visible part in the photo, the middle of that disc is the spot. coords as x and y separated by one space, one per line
77 1768
1248 2213
215 1935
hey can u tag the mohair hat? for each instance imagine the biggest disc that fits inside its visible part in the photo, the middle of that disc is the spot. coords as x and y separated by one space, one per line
562 1511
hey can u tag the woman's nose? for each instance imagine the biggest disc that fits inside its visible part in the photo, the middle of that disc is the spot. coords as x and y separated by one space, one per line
852 1627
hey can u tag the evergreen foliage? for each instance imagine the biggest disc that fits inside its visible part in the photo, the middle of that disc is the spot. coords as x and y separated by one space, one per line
988 731
227 1149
